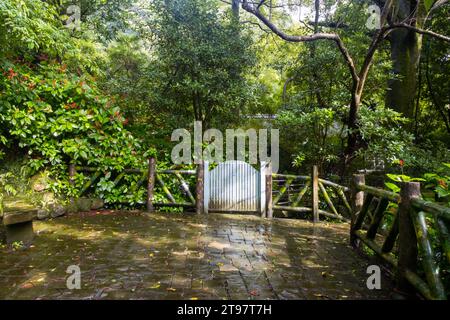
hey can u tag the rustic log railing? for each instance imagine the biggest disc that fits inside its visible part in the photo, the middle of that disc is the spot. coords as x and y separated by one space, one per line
295 190
395 226
406 243
171 182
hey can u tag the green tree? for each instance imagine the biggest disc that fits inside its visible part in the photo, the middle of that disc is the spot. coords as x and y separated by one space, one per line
201 58
358 68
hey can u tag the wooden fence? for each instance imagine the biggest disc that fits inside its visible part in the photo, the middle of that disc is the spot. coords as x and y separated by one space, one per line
308 194
402 229
406 242
153 178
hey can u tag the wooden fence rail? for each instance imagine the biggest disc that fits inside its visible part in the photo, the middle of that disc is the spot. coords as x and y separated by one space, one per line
154 178
405 243
293 190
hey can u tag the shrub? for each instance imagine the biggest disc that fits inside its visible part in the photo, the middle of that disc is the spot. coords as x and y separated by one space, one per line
56 118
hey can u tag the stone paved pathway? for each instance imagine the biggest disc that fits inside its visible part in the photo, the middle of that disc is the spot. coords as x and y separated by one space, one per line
169 256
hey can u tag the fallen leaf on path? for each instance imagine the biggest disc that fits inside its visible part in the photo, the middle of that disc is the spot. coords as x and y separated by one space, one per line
254 293
156 285
27 285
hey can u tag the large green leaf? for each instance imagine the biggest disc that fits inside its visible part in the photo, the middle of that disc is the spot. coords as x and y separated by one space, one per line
392 187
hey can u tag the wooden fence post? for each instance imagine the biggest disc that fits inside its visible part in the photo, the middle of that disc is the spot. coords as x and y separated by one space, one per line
357 201
206 187
151 183
315 193
199 192
407 240
72 172
268 176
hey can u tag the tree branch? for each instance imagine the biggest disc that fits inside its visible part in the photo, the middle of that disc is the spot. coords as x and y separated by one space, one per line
418 30
377 38
329 24
308 38
256 24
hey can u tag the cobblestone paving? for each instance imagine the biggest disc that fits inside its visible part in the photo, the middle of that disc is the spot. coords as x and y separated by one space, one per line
169 256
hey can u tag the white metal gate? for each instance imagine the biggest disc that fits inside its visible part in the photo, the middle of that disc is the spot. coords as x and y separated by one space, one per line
234 186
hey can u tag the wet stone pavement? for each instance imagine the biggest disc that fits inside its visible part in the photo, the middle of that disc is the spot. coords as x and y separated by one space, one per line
124 255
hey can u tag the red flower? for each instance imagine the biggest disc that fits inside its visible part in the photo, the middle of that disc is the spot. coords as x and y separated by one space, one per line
72 105
402 162
11 73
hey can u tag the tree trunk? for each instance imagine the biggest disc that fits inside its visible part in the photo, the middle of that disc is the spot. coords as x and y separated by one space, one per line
406 47
405 54
316 85
353 135
235 8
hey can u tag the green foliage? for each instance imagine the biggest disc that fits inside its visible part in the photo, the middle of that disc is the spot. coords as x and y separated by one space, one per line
57 117
392 186
30 25
399 178
200 59
5 188
17 245
14 182
433 119
383 134
317 132
437 182
428 4
110 93
86 57
128 62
